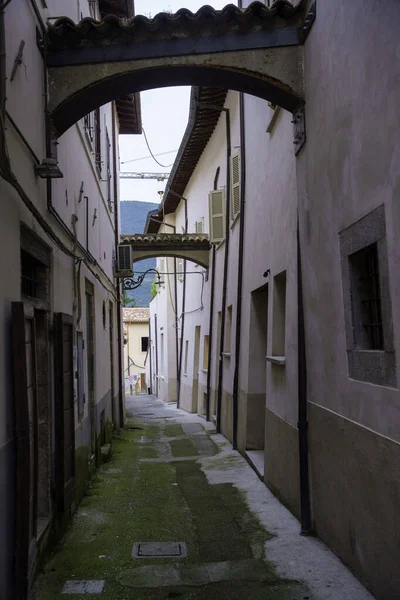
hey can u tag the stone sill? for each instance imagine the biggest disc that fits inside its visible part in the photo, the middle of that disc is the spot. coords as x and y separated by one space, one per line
226 354
276 360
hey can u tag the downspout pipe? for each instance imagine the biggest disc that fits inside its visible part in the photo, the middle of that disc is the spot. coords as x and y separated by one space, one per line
118 286
150 358
235 396
183 314
305 505
226 260
210 336
156 345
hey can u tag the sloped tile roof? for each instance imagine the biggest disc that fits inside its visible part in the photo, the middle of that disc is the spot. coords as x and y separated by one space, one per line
64 33
162 239
136 315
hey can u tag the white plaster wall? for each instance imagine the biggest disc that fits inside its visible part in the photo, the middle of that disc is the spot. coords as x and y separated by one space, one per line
25 104
162 306
349 166
270 243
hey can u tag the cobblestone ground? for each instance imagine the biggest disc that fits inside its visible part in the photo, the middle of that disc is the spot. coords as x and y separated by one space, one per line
176 513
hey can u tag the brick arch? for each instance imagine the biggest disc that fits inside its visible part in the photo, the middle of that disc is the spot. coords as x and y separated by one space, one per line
257 51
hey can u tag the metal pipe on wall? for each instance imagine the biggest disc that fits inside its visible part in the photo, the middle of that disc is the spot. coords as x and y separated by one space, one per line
235 395
183 314
118 286
226 257
305 505
210 334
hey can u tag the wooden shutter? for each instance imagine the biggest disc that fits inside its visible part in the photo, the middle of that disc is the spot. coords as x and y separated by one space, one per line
24 376
216 200
235 192
64 418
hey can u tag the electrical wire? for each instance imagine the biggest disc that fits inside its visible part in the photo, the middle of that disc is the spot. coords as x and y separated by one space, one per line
149 156
153 155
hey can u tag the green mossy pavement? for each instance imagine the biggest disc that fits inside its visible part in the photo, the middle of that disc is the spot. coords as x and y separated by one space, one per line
130 500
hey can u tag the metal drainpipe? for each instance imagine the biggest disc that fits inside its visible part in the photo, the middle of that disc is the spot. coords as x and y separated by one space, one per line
183 314
225 279
156 345
305 507
120 337
210 334
235 396
150 358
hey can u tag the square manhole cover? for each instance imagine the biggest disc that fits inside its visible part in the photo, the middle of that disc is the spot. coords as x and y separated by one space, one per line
159 550
84 586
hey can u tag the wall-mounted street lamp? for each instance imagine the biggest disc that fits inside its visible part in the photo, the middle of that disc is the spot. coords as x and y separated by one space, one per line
132 284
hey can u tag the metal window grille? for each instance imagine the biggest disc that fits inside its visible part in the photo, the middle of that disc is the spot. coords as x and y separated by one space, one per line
88 126
365 266
29 276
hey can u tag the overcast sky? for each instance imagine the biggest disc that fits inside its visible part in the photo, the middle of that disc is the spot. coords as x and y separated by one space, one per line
164 116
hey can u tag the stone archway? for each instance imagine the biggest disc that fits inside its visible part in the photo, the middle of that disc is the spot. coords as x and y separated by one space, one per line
257 51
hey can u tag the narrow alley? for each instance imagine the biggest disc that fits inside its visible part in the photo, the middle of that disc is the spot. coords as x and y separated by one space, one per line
176 513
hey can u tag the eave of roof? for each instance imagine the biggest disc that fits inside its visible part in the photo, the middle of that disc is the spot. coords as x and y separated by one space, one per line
166 239
129 114
201 125
64 33
128 108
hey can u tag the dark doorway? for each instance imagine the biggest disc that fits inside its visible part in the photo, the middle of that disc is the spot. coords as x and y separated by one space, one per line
90 358
257 382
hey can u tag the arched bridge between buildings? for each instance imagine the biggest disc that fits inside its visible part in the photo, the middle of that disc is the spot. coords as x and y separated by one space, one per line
257 51
190 246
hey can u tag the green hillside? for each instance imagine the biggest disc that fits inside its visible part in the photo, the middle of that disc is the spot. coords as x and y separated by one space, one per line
133 219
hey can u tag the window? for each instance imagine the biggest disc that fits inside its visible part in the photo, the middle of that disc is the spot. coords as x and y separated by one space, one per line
228 330
366 298
104 312
235 178
97 139
29 275
88 126
144 343
162 354
186 356
205 352
108 170
216 200
180 269
279 315
367 303
199 226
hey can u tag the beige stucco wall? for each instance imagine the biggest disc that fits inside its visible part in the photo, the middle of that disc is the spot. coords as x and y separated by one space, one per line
133 350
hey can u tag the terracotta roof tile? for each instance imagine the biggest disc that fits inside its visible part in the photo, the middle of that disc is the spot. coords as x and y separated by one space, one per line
155 239
65 33
136 315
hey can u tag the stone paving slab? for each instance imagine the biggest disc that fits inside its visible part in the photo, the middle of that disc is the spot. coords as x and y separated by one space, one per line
83 586
199 574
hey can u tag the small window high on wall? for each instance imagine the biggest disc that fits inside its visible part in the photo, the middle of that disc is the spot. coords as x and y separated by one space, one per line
279 315
205 353
144 341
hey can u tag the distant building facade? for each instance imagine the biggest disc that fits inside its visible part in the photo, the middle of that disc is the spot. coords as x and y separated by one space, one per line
136 344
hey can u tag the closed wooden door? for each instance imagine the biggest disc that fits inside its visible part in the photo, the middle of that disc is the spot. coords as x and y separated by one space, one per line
24 373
